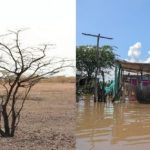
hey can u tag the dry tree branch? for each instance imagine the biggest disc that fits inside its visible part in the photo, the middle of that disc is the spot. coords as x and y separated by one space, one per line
29 66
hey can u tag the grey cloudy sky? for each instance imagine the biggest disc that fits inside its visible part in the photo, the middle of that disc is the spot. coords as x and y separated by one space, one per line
48 21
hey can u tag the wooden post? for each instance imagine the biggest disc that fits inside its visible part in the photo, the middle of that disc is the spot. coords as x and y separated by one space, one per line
97 59
141 85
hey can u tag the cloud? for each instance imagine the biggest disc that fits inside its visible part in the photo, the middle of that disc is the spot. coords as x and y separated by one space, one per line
147 60
134 52
148 52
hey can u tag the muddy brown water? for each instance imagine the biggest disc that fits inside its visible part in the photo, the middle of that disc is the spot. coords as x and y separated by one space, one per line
107 126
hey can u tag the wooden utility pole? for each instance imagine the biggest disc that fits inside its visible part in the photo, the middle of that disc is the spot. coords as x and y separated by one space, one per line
98 36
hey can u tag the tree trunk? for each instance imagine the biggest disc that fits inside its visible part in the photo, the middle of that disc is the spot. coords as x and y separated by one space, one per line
103 87
13 123
95 91
6 123
7 131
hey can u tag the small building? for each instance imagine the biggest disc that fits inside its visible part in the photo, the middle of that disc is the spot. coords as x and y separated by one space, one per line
132 80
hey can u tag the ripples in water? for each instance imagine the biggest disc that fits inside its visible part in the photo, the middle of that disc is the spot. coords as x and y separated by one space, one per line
107 126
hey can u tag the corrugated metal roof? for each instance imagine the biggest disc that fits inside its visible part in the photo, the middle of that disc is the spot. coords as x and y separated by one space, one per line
134 67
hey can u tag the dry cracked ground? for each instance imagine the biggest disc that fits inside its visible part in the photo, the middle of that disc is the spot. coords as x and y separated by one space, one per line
47 120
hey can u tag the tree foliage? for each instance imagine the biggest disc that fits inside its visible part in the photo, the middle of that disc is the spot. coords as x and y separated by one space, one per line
86 60
90 64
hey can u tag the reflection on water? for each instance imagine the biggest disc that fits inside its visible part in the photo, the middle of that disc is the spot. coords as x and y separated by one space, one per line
119 126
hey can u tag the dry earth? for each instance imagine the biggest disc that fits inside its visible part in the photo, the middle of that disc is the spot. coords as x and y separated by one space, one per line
47 120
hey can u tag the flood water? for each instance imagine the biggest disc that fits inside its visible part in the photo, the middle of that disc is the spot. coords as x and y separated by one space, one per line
118 126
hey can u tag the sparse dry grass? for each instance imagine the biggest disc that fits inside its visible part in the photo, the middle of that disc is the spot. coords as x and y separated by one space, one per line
60 79
47 120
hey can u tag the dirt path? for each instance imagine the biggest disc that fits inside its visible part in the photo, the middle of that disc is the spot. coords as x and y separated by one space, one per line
47 120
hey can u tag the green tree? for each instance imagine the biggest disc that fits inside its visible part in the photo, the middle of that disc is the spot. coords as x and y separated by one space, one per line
87 62
86 59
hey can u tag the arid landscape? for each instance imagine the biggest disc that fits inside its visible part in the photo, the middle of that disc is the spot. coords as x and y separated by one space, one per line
47 119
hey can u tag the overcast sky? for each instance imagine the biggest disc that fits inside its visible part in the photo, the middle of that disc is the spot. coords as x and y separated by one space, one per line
48 21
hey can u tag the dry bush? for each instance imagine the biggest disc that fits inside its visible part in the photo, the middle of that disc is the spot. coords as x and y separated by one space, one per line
20 69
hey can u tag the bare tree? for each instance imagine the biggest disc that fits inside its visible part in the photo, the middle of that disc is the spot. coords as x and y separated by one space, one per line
20 69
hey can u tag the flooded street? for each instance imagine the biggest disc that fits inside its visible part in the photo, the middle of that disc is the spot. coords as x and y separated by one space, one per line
118 126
